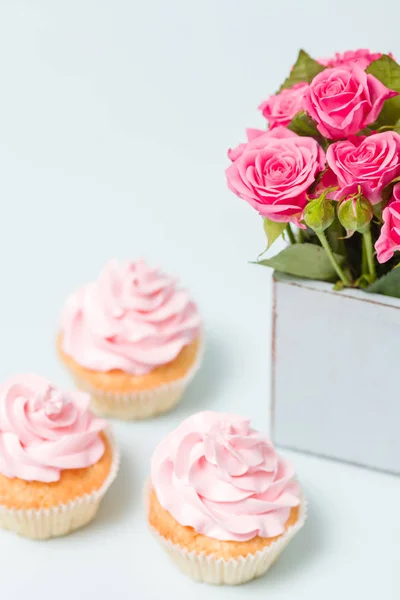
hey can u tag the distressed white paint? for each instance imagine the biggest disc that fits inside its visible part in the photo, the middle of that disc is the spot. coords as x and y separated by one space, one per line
336 373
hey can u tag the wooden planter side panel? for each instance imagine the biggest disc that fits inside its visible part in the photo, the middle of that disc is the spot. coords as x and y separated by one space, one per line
336 374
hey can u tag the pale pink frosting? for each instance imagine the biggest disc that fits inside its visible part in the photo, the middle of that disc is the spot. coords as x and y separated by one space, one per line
218 475
44 430
133 318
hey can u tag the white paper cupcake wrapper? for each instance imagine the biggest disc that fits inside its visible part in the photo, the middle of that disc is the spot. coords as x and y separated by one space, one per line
141 404
61 519
218 571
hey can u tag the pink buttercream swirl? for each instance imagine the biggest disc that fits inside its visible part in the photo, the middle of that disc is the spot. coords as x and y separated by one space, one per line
218 475
132 318
44 430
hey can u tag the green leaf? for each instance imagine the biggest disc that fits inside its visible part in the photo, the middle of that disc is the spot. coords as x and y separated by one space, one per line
363 281
388 72
388 285
304 260
302 124
304 69
273 231
339 286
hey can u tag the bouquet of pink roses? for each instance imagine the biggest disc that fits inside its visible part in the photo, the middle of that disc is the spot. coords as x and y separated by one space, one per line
326 172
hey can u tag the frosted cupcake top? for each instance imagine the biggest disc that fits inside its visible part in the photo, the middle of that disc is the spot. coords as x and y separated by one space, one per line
218 475
44 430
132 318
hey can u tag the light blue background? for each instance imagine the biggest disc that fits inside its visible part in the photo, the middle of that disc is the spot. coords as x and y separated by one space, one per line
115 118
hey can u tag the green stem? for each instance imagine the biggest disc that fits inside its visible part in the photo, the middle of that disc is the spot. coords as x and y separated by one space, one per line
300 238
335 264
335 234
369 249
290 233
364 261
385 128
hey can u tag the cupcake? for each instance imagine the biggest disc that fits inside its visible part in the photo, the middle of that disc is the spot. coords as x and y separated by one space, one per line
131 339
220 500
56 458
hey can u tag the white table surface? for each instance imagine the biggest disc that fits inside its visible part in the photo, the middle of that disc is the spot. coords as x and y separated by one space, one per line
115 118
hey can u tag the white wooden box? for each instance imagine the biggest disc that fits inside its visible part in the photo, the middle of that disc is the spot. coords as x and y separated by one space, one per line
336 372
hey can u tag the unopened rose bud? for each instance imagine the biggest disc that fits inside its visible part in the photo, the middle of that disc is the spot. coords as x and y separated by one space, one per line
319 214
355 214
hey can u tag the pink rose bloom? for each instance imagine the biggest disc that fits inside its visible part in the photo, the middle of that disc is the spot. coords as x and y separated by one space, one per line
327 180
234 153
273 174
389 240
256 139
362 57
281 108
344 100
371 162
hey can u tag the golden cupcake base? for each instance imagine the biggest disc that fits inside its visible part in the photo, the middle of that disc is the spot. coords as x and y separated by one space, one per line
125 396
207 560
43 510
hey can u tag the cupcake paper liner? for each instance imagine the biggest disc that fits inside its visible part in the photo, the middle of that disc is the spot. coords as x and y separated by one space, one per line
44 523
141 404
218 571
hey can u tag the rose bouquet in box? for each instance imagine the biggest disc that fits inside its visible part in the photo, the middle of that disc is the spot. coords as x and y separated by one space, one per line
326 171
